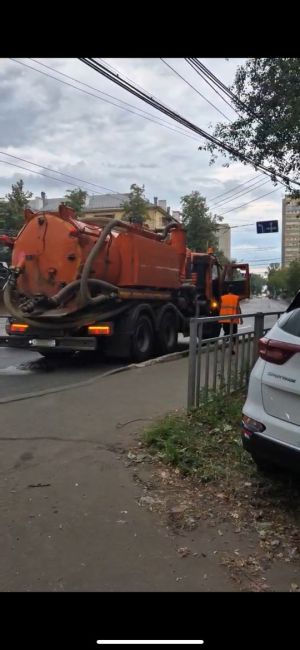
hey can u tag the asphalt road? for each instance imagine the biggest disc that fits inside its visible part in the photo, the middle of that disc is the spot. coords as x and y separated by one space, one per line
23 371
260 304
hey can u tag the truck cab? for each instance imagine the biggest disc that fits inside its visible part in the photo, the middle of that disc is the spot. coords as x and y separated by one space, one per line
238 276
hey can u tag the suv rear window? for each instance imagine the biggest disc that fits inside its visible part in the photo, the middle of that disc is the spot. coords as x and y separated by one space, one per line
290 322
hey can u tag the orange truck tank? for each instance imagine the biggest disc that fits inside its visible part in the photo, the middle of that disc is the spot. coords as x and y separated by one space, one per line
52 248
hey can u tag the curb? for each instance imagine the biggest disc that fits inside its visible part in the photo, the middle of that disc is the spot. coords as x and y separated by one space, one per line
133 366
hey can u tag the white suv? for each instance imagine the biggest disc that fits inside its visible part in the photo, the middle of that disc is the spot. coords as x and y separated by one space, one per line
271 414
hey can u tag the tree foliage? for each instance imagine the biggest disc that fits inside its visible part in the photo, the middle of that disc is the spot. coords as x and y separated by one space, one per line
276 281
76 199
285 280
201 225
222 257
12 210
293 278
136 207
268 128
12 214
257 282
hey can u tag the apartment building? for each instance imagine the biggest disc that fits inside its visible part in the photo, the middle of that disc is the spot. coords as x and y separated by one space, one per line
290 230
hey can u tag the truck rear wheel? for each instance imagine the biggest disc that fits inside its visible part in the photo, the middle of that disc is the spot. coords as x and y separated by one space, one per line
167 330
142 339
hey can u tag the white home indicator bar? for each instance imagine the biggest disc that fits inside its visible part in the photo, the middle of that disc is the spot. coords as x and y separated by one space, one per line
148 642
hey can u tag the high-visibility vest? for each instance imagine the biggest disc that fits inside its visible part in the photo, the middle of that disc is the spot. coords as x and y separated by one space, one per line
229 306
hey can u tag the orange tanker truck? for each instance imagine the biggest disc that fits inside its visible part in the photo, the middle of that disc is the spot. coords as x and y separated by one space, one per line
117 288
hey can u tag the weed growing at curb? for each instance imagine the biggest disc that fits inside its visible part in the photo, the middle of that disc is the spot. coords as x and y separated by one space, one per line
205 443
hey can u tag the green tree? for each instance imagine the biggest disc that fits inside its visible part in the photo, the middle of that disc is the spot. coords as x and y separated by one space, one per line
76 199
136 207
3 213
5 254
12 210
222 258
268 127
201 225
293 278
257 282
277 280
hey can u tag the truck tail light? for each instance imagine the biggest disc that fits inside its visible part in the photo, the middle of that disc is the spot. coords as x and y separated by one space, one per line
17 328
105 329
277 352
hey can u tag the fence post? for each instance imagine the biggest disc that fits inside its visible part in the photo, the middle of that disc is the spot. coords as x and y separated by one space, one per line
192 363
258 333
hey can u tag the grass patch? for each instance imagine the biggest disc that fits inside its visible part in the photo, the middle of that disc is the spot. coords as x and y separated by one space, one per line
205 443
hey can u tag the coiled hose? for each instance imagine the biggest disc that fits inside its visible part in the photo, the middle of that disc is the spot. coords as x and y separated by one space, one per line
85 295
84 285
80 320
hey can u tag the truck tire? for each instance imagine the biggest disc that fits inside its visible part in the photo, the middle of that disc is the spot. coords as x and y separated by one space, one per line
142 341
167 330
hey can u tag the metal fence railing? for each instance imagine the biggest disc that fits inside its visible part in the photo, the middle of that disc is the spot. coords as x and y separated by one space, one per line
212 366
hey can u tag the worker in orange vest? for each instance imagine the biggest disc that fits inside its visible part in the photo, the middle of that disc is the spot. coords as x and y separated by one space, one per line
230 304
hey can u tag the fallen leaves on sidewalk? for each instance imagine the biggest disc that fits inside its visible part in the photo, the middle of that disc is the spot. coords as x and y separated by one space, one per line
184 551
263 509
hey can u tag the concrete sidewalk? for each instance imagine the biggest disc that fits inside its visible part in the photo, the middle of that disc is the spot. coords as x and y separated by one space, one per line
69 506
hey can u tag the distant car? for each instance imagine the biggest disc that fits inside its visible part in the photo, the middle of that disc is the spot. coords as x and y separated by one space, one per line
271 413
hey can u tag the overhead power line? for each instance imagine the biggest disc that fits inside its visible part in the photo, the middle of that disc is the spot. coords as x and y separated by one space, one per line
66 83
103 70
213 198
217 82
196 90
59 180
128 78
272 259
256 185
58 172
243 225
195 67
248 202
101 92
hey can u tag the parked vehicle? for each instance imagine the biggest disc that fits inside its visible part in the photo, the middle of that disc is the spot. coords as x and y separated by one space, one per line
271 414
116 286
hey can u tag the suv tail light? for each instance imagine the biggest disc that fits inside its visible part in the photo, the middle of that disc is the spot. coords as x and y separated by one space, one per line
250 426
276 351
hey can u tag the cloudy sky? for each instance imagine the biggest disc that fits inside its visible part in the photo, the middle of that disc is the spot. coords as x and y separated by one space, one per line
89 133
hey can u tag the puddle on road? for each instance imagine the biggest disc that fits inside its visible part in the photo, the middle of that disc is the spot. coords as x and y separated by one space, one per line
13 370
78 363
29 367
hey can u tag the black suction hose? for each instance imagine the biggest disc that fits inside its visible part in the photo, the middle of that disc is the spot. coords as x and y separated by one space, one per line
85 295
65 293
170 226
79 321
